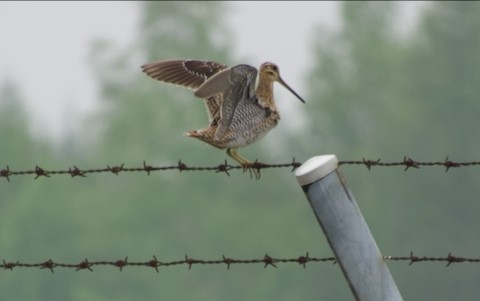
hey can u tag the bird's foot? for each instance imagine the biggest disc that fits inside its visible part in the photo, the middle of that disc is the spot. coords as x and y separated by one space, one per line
253 168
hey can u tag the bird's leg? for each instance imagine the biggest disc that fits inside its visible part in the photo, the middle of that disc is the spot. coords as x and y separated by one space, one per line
247 165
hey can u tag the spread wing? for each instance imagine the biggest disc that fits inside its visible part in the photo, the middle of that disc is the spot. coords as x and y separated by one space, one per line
236 84
189 74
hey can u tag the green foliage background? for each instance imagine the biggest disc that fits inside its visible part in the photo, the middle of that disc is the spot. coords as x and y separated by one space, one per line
373 93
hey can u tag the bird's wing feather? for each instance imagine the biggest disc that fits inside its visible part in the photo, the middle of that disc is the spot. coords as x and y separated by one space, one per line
213 104
217 84
242 88
189 74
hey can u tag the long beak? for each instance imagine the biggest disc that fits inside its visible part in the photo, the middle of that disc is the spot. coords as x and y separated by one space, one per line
280 80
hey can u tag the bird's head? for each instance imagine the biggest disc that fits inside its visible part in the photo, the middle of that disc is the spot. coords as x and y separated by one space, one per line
271 72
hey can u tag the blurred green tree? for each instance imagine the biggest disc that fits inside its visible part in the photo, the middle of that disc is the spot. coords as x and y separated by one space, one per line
23 208
15 138
383 95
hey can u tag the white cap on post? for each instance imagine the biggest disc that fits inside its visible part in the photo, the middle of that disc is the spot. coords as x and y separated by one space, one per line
316 168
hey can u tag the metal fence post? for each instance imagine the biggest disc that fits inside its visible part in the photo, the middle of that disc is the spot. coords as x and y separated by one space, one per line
346 230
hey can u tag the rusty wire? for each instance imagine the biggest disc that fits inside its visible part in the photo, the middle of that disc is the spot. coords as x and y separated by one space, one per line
74 171
227 261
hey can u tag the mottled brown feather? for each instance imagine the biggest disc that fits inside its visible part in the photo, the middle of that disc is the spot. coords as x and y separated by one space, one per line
190 74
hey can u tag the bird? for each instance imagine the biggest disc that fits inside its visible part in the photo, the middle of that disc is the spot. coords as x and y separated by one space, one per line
241 108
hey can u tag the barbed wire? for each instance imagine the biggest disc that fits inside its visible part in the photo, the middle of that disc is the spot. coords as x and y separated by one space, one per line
74 171
408 162
227 261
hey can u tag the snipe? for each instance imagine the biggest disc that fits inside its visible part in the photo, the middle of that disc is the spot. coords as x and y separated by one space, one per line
241 110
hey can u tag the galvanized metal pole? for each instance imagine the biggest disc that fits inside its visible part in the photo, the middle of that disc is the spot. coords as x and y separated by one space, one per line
346 230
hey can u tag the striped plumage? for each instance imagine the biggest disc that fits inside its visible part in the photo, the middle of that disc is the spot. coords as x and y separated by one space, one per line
239 113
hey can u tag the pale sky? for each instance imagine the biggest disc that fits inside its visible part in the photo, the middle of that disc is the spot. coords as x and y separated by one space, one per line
44 48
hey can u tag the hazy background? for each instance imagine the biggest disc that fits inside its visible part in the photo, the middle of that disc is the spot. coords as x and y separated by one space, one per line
49 44
381 80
